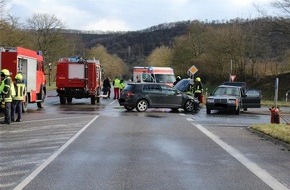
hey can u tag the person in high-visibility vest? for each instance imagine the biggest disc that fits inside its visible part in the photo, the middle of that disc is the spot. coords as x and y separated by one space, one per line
198 88
122 85
6 93
18 98
116 84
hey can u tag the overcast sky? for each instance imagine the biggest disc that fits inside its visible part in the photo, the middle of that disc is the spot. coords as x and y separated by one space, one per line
132 15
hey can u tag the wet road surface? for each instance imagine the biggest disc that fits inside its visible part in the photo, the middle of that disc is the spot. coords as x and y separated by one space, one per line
81 146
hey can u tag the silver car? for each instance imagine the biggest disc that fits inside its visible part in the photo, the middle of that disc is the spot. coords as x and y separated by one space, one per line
233 98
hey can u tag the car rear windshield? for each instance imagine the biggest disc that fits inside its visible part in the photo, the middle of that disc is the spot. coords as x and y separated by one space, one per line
129 87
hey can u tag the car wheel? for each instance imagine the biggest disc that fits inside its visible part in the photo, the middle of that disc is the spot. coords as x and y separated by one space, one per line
62 99
69 100
41 97
189 106
208 111
142 105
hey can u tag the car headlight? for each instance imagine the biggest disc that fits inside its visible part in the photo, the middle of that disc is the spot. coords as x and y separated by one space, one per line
232 101
210 100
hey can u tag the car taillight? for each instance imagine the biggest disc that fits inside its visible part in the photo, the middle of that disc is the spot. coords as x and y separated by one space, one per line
128 94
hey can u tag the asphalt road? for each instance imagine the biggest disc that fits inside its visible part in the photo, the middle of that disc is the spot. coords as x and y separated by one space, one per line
83 147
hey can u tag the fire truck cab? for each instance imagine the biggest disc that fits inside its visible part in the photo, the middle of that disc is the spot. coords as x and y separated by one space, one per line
30 64
78 78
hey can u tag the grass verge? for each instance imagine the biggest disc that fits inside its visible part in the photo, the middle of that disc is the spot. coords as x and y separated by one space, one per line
51 87
269 104
278 131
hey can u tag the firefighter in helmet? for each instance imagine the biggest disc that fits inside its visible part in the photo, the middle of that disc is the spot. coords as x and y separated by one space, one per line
18 98
178 78
6 90
198 88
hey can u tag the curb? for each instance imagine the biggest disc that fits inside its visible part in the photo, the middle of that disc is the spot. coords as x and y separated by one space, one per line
270 138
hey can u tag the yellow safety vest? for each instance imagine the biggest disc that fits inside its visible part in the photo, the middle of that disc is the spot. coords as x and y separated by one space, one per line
122 85
20 91
7 89
117 83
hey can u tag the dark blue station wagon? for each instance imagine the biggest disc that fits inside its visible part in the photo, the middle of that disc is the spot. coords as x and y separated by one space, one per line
152 95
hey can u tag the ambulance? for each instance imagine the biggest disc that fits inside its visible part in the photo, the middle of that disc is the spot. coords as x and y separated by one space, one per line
154 75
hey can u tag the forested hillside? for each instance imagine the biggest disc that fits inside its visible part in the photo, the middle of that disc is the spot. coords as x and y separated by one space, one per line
258 49
250 42
134 47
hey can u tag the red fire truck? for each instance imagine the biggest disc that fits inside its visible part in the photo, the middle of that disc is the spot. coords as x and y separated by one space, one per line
30 64
78 78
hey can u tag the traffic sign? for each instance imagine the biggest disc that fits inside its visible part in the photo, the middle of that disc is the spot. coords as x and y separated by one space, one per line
192 70
233 78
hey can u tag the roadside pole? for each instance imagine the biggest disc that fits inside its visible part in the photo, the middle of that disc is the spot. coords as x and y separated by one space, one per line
276 92
231 70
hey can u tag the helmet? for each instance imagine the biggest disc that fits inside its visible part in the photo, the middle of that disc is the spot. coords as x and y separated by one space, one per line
5 72
18 76
178 77
197 79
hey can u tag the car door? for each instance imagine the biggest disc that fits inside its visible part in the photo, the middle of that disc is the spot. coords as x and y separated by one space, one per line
172 98
154 94
252 99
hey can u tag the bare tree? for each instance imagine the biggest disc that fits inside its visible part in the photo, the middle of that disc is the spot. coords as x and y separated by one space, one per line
11 35
46 30
3 23
279 21
3 10
46 33
112 65
283 5
160 56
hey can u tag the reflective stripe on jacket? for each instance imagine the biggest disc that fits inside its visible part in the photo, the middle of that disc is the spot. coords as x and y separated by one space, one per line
198 88
20 91
5 89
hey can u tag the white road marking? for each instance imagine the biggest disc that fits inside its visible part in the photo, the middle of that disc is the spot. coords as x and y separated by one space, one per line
6 185
252 166
55 119
13 173
29 178
113 102
189 119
